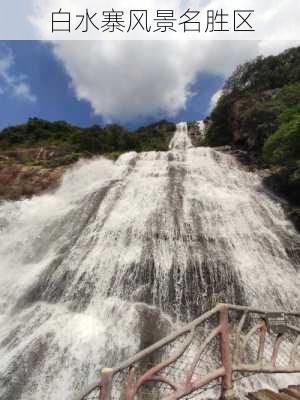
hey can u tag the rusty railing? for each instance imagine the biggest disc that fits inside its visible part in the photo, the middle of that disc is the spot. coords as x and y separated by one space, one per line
248 340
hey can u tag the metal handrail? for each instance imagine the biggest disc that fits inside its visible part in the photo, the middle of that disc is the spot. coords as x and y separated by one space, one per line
230 362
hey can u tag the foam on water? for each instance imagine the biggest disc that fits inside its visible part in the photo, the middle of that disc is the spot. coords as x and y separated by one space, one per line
87 271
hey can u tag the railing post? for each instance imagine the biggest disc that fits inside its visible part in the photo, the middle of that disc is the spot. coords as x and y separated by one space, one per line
130 387
106 381
228 392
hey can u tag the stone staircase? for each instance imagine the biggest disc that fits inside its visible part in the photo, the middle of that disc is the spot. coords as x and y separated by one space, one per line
290 393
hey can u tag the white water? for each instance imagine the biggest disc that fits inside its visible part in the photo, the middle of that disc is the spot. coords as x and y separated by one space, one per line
178 230
202 130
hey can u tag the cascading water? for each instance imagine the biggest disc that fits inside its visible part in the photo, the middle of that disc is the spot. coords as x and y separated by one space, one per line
157 237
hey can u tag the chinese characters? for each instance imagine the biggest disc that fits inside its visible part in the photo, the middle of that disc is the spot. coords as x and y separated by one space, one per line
161 21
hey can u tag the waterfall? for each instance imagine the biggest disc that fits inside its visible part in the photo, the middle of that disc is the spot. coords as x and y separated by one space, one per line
123 252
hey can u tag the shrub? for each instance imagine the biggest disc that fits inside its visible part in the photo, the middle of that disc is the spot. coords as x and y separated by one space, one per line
283 147
92 140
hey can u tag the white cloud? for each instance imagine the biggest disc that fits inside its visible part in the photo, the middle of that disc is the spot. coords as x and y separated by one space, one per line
124 79
23 90
269 47
214 100
11 82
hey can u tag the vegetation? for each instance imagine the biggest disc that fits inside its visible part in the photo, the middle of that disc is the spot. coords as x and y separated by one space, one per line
283 148
254 97
33 156
260 112
111 139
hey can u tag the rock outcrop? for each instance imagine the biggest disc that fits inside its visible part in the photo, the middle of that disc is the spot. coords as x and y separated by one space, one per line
19 180
28 172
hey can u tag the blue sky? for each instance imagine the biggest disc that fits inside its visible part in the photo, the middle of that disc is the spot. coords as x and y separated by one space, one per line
37 84
132 82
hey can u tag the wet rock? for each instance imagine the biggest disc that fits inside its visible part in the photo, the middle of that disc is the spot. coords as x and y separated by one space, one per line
18 181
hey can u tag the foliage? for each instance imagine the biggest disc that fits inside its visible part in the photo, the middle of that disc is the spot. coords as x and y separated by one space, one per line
289 95
93 140
159 138
260 112
266 73
219 133
253 99
283 147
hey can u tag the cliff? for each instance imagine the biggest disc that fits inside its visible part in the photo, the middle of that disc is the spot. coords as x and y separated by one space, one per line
259 115
29 171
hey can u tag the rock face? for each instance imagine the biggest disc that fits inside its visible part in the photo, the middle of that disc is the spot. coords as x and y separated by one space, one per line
23 181
246 131
197 131
31 171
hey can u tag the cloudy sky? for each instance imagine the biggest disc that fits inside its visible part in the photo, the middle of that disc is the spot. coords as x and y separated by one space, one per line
130 82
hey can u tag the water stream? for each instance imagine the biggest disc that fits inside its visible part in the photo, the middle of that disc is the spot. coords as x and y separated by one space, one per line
123 252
